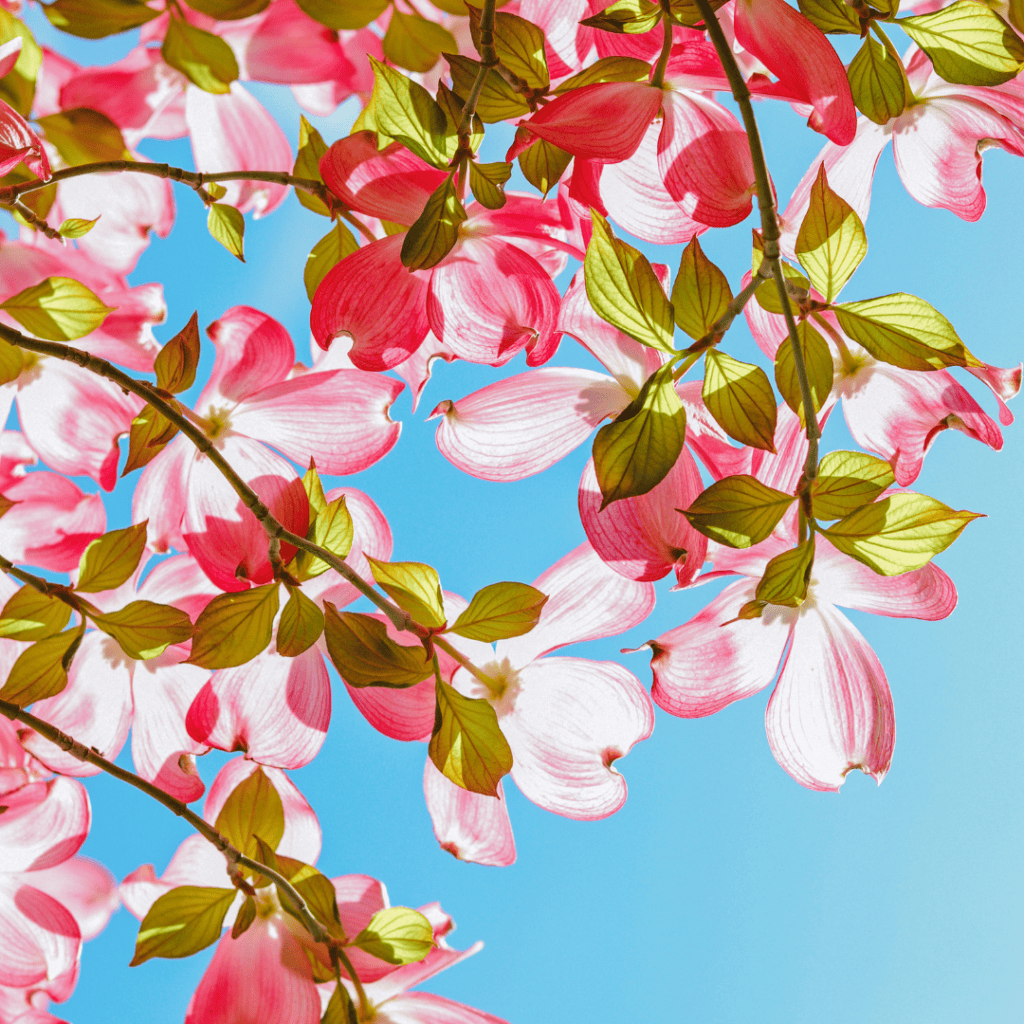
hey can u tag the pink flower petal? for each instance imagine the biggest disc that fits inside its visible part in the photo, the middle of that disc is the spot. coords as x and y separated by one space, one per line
416 370
196 862
359 898
405 715
1004 384
19 144
161 494
39 939
180 582
426 1008
440 958
83 887
45 824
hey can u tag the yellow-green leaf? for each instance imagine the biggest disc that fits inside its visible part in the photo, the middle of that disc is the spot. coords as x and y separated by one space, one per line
906 331
227 225
300 627
701 293
84 136
968 43
109 560
233 628
41 670
326 255
176 362
150 433
30 615
738 511
686 12
831 15
332 529
229 10
636 451
817 362
364 654
12 362
543 165
144 629
436 229
786 576
900 533
453 106
314 489
182 922
767 294
740 397
629 16
488 183
340 1008
413 586
500 611
405 111
415 43
831 241
253 809
846 481
18 86
96 19
520 45
878 82
396 935
607 69
498 101
244 918
307 165
57 309
344 14
316 889
467 745
76 227
624 290
203 58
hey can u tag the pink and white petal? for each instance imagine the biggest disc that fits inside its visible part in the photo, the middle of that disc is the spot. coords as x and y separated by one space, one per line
73 419
524 424
715 658
161 746
899 413
234 132
587 600
488 299
440 958
782 468
426 1008
416 370
222 534
195 862
15 451
161 495
19 144
569 719
359 898
39 939
646 537
831 710
85 888
470 826
373 299
95 707
567 41
339 418
406 714
179 581
263 975
1004 384
45 824
301 829
276 709
253 351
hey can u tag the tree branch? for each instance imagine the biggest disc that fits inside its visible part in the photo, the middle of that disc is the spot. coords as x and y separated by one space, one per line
488 59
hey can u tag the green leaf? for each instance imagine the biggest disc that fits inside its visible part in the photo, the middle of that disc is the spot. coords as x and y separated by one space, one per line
307 165
488 183
738 511
253 809
831 241
878 82
111 559
12 362
543 165
846 481
413 586
767 294
233 628
346 15
84 136
145 629
176 362
831 15
182 922
520 46
636 451
340 1008
630 16
326 255
227 225
18 86
1015 14
740 397
203 58
332 529
624 290
905 331
436 229
686 12
452 106
300 627
76 227
57 309
317 890
607 69
229 10
498 101
96 19
500 611
244 918
968 43
150 433
900 533
30 615
701 293
405 111
817 362
314 488
396 935
364 654
41 670
467 745
415 43
786 576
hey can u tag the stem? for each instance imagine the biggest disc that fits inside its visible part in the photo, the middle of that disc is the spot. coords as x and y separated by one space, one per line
35 221
173 412
233 856
364 1003
735 307
769 219
55 590
440 641
358 225
658 78
488 59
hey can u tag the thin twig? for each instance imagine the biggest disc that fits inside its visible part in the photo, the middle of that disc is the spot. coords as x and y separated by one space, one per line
34 220
736 305
488 59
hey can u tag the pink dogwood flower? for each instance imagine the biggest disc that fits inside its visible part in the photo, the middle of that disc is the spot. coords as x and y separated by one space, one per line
18 143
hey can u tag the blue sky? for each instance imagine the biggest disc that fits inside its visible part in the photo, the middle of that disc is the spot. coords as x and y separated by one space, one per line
723 892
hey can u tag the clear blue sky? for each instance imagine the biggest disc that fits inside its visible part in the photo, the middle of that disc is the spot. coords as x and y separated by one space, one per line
723 893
